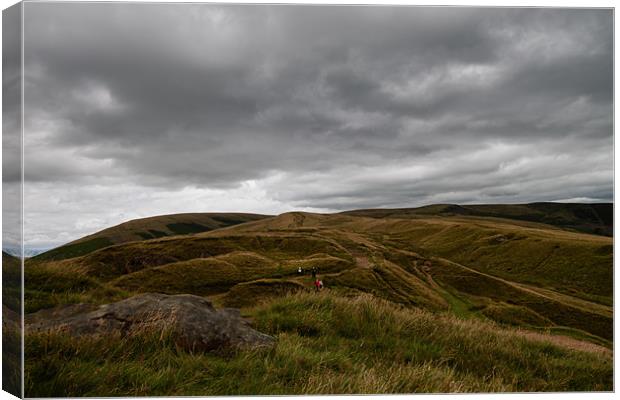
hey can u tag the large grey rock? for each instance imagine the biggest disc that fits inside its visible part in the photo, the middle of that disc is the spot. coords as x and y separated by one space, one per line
194 322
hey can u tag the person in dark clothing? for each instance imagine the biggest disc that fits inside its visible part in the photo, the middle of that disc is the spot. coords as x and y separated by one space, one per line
314 271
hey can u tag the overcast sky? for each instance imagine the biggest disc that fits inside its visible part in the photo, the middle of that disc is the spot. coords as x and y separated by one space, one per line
134 110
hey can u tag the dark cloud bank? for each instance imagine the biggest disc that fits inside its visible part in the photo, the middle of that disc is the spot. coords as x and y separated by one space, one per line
134 109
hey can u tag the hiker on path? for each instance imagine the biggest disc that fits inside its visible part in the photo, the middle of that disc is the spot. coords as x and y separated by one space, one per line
314 272
320 285
317 284
299 271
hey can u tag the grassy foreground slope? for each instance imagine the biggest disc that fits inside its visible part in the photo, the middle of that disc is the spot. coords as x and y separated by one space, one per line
326 344
11 324
148 228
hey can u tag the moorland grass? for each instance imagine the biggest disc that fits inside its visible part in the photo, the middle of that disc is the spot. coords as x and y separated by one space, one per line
472 283
11 335
248 294
325 344
114 261
11 358
347 258
75 249
337 341
587 218
54 284
11 282
576 264
573 263
148 228
201 276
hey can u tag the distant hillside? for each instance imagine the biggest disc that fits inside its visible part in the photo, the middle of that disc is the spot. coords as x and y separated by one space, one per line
148 228
9 258
588 218
28 252
522 273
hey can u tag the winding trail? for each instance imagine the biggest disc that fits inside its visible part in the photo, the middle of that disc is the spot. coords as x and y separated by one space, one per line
548 294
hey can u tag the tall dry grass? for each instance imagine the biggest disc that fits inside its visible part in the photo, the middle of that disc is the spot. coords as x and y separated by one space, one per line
326 344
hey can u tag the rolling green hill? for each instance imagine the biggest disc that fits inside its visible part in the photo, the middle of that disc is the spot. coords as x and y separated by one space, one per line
588 218
148 228
515 282
474 263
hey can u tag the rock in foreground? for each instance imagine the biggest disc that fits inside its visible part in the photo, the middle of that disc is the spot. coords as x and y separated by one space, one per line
194 322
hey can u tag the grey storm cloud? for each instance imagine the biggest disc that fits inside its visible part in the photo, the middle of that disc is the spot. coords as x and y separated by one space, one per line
327 107
11 134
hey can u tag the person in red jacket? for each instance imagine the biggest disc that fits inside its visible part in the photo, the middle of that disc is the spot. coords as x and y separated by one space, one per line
317 284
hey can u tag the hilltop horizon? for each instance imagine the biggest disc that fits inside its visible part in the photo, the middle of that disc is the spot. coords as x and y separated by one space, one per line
606 224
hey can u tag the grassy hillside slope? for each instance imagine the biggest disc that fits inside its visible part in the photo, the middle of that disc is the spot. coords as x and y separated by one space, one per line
588 218
326 344
11 325
574 263
148 228
429 303
533 276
